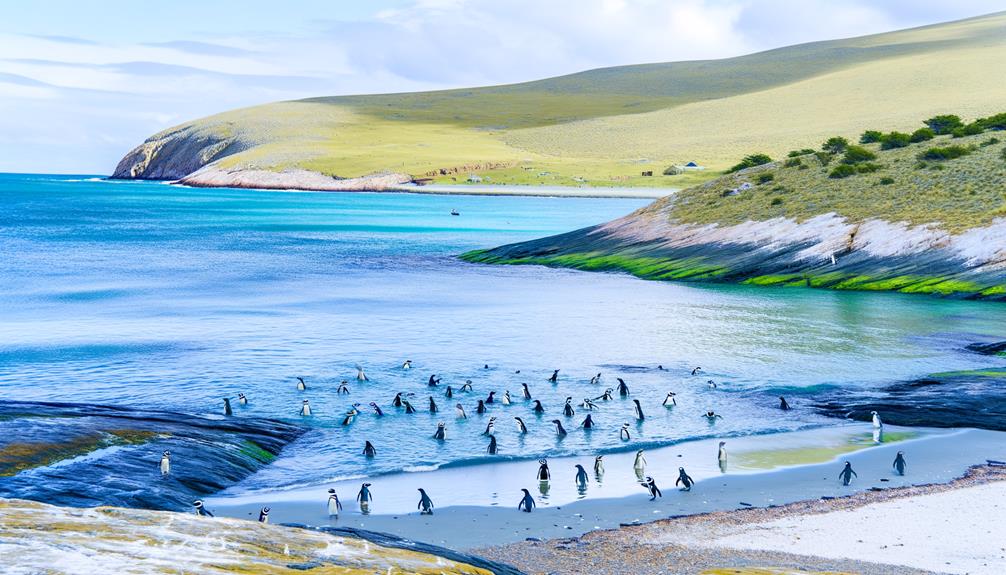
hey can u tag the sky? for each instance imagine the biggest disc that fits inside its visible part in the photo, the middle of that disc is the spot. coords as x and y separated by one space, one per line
82 82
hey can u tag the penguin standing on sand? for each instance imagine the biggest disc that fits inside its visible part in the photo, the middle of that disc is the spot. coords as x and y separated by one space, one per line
588 422
624 432
899 463
200 510
527 503
581 477
555 375
350 415
640 463
599 465
334 505
847 473
263 515
425 506
606 396
305 408
623 389
651 486
877 423
301 385
492 449
441 432
543 472
480 408
364 497
242 400
360 376
433 405
560 431
166 463
227 407
669 401
538 407
491 428
407 364
521 428
684 479
525 391
460 411
368 449
638 410
506 397
783 404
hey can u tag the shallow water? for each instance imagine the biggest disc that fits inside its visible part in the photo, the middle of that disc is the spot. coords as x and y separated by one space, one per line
153 296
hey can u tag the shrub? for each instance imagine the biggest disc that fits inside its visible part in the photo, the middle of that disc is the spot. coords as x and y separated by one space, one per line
867 168
946 152
857 154
823 157
835 145
870 136
842 171
886 181
803 152
989 142
972 129
793 162
943 124
776 202
765 178
997 122
672 171
893 140
750 162
922 134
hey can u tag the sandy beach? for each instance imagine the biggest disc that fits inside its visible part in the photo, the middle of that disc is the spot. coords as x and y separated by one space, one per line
548 191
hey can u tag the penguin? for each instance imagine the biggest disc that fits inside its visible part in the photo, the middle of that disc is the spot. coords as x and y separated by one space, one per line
242 400
567 409
595 379
599 465
526 391
433 381
543 472
697 371
783 404
554 377
377 409
711 384
480 408
166 463
538 408
227 407
441 432
334 505
661 368
305 408
588 403
623 389
491 428
527 503
397 402
364 497
669 401
712 416
425 506
588 422
506 397
200 510
350 415
263 515
491 450
433 405
899 463
343 388
407 364
301 385
877 423
847 473
684 479
581 477
624 433
559 429
651 486
721 456
521 428
638 410
467 386
606 396
460 411
360 376
486 366
640 463
368 449
491 398
449 393
408 406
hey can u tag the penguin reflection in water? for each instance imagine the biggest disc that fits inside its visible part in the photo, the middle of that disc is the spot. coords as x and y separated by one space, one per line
847 474
651 486
365 498
684 480
334 505
425 506
527 503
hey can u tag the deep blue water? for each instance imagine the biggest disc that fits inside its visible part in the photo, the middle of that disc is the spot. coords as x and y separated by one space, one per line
147 295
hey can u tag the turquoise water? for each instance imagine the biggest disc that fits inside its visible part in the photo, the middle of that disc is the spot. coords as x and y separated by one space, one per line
146 295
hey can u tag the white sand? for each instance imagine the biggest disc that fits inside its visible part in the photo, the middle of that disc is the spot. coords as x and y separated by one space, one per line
960 531
548 191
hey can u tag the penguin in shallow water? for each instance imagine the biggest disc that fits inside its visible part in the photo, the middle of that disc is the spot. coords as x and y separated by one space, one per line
433 381
599 465
368 449
425 506
877 423
365 498
491 428
242 400
595 379
527 503
305 408
227 407
651 486
449 394
506 398
433 406
263 515
624 432
491 398
408 406
301 385
441 432
166 463
711 384
559 429
697 371
606 396
538 407
669 401
480 408
712 416
640 463
554 377
407 364
525 391
847 473
623 389
491 450
334 505
343 388
397 402
721 455
588 403
460 411
638 409
350 415
200 510
377 409
899 463
543 472
783 404
467 387
360 376
567 409
684 480
521 428
588 422
581 477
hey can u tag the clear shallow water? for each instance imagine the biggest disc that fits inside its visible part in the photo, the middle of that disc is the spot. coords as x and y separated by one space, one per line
147 295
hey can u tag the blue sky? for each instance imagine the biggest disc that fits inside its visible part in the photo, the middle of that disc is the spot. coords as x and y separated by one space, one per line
83 82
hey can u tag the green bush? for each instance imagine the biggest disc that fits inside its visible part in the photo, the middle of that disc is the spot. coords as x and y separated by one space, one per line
750 162
793 162
946 152
893 140
824 157
972 129
835 144
989 142
922 135
857 154
870 137
997 122
842 171
944 124
765 178
776 202
886 181
867 167
803 152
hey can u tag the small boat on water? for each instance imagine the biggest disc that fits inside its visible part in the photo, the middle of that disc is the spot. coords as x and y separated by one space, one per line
455 213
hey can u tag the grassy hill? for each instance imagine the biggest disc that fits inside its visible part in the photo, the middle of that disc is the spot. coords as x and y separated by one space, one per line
604 127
